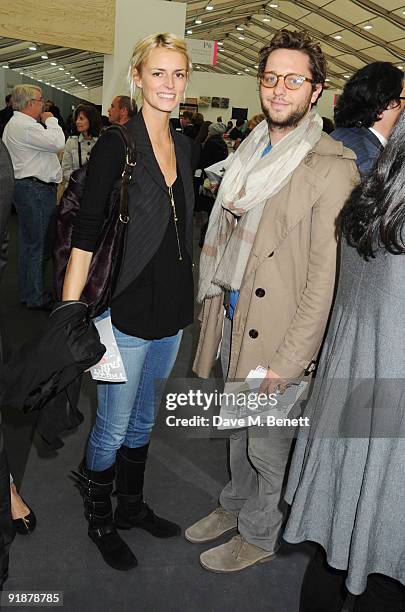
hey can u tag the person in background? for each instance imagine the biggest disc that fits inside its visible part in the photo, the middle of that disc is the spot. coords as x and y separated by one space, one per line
368 110
346 482
193 129
328 125
213 151
203 133
6 191
269 258
252 123
87 120
121 110
186 119
55 110
220 121
229 127
6 113
237 132
34 154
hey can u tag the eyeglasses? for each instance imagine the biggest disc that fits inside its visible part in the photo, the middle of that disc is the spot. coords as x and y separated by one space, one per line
36 99
291 81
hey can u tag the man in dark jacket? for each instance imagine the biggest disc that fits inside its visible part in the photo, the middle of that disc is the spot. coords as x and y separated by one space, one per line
6 525
6 113
368 110
6 192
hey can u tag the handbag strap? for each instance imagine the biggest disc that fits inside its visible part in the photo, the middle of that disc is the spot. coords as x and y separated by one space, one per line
130 163
79 147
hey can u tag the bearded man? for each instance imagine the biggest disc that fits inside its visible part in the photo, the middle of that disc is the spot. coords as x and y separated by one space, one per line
270 258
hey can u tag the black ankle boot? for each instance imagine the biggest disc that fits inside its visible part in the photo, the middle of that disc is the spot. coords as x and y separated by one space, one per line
131 510
96 488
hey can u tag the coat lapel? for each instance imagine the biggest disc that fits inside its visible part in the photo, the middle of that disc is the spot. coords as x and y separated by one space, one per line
184 165
145 154
283 211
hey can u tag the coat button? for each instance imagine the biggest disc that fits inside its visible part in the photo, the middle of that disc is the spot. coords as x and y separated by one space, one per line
253 333
260 292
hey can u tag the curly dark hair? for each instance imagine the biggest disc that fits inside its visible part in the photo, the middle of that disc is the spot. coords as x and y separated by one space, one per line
93 116
374 215
297 41
367 94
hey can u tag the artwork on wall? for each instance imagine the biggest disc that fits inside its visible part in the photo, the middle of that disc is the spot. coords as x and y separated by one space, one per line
204 101
216 102
224 103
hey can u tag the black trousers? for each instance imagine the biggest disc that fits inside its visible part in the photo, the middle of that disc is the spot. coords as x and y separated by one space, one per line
324 590
6 525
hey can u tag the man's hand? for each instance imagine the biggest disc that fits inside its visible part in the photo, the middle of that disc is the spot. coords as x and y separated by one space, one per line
45 115
272 383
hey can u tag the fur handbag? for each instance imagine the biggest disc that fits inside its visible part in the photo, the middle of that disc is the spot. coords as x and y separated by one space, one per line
108 253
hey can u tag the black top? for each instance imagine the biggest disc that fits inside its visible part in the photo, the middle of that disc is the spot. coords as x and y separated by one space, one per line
159 301
235 133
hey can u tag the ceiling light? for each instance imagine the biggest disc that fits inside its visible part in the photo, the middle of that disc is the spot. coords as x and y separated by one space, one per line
239 28
198 67
266 19
53 64
401 67
189 31
220 43
239 73
40 80
32 48
44 56
273 5
68 73
60 68
241 38
327 80
247 69
368 27
338 37
47 83
347 76
256 66
221 50
198 21
22 73
5 66
76 80
72 77
209 7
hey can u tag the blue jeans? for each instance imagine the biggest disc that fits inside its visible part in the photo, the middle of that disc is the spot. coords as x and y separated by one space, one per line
127 411
36 205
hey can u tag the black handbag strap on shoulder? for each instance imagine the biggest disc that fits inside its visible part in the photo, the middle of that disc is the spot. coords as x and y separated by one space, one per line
130 163
79 151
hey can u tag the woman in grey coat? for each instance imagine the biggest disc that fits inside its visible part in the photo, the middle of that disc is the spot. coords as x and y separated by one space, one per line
347 479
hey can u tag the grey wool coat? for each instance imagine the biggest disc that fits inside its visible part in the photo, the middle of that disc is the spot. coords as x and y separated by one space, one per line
347 479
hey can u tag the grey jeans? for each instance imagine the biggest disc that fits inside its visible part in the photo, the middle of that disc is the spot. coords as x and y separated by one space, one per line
258 463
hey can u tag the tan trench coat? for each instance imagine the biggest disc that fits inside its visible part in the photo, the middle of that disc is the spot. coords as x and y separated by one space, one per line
288 285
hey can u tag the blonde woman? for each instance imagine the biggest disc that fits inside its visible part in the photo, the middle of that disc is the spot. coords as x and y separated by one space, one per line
153 300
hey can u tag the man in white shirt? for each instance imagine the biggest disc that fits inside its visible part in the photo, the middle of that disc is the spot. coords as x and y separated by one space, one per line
368 110
37 170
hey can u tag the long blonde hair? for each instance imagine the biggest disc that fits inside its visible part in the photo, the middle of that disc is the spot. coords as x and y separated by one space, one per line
145 46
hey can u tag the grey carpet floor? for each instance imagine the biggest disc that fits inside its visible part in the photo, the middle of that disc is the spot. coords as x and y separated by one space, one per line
183 480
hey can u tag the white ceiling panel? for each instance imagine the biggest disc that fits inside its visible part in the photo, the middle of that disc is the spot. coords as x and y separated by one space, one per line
348 10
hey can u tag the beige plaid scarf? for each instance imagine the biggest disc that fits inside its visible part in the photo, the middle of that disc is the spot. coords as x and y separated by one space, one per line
248 183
